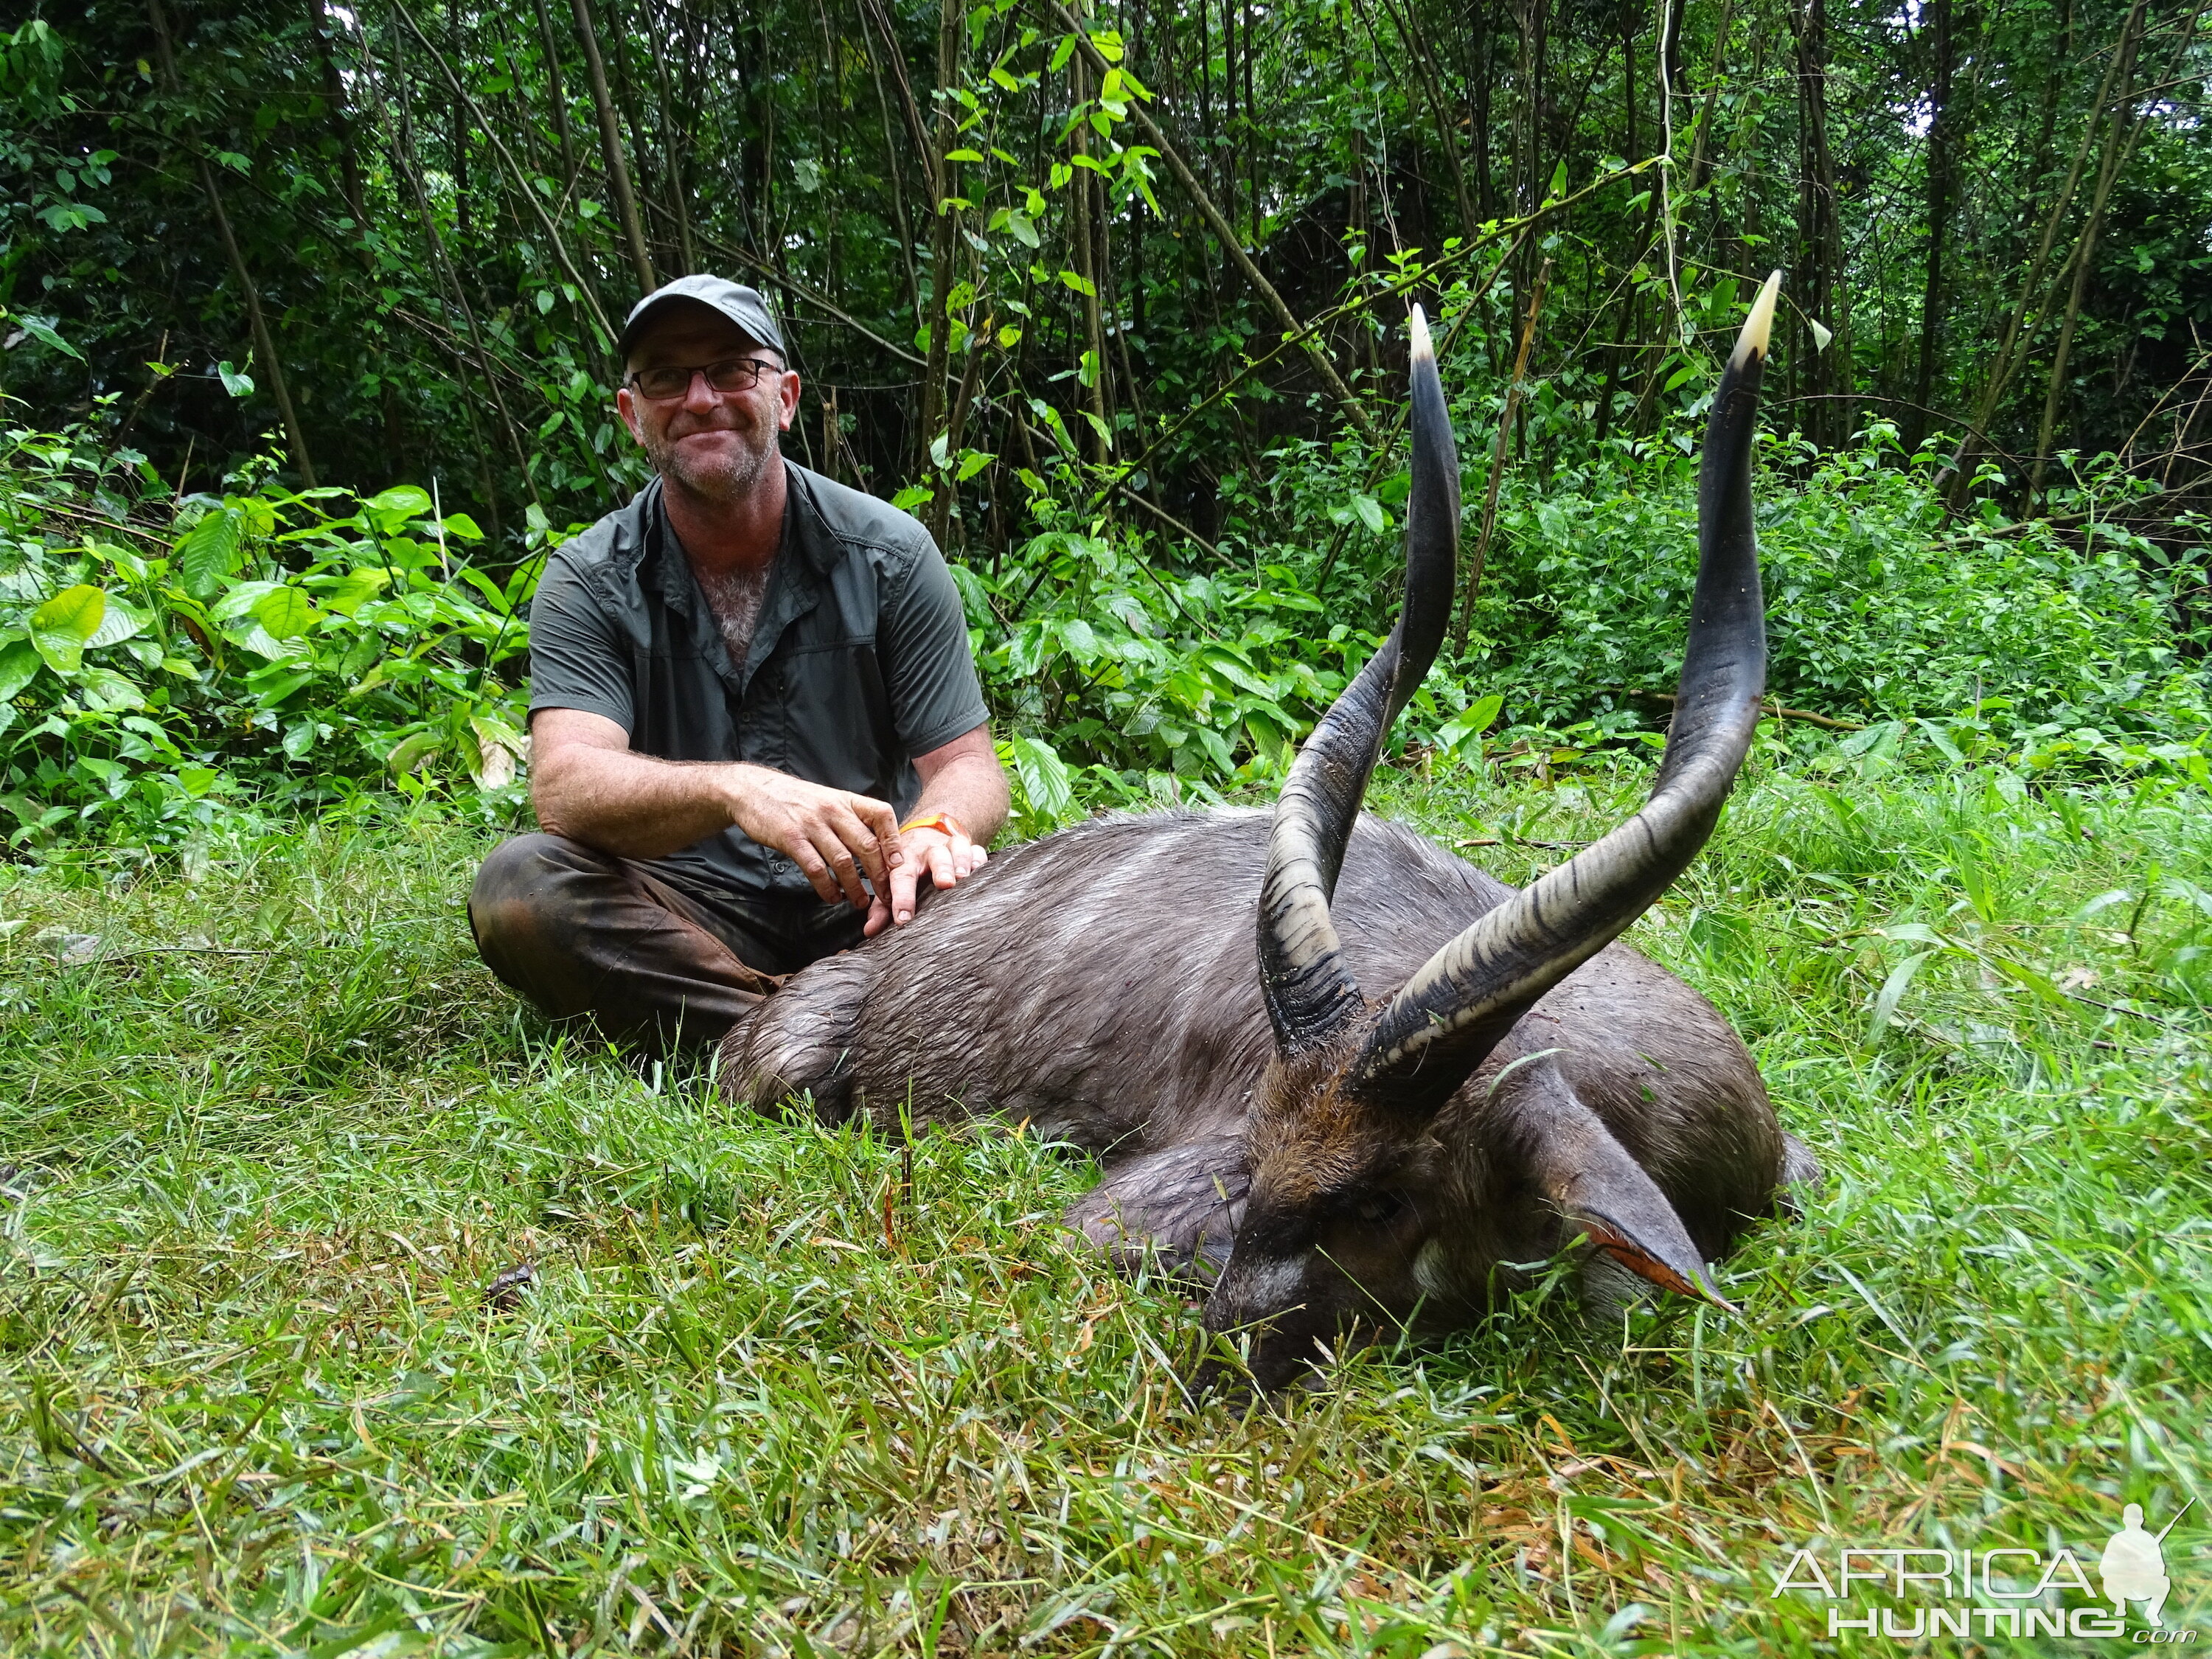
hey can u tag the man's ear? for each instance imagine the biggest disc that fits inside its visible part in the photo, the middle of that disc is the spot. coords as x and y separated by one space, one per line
790 398
626 406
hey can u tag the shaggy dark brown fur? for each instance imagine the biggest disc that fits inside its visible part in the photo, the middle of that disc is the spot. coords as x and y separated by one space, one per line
1098 985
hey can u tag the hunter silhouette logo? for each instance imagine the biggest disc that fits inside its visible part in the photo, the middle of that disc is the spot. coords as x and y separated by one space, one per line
2134 1565
1921 1593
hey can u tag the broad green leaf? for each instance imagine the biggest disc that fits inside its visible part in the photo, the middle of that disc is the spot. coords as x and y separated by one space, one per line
105 690
44 333
123 621
286 613
1467 726
497 750
1043 777
411 752
1370 513
347 593
403 498
234 380
19 666
241 600
61 626
207 554
260 641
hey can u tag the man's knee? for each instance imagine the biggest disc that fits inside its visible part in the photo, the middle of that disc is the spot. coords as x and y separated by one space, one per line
523 889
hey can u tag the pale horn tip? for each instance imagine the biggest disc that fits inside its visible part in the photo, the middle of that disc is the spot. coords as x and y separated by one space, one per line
1423 347
1752 342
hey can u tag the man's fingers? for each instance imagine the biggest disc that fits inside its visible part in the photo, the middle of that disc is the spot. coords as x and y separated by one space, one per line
839 858
879 916
904 879
845 822
817 873
944 864
882 825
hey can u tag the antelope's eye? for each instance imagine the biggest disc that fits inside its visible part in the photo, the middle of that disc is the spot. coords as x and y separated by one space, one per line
1378 1207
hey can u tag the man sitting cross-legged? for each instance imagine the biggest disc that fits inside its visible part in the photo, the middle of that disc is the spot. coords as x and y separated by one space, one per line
751 693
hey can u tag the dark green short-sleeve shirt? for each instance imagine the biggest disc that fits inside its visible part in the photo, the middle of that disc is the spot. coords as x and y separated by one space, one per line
860 660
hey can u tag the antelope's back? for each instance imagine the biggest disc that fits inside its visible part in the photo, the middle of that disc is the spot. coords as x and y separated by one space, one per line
1102 984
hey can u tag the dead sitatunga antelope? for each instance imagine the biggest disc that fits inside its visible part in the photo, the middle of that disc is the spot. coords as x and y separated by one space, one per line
1338 1159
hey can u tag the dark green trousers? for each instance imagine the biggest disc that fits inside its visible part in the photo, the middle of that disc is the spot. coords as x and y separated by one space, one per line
581 935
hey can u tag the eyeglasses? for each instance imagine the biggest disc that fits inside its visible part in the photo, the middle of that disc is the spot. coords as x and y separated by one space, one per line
732 374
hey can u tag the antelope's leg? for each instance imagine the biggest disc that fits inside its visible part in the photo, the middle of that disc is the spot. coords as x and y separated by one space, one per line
800 1041
1573 1159
1177 1207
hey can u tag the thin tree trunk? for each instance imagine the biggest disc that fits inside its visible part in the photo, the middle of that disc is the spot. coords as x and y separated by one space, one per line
943 227
334 110
1505 423
457 130
956 434
1827 373
2085 251
1226 236
892 169
1251 114
1083 244
1628 16
558 94
264 343
1479 106
673 190
1942 122
568 264
1407 24
1701 171
450 280
611 149
1957 474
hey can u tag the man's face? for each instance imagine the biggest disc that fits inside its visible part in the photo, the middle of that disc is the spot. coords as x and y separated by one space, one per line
712 444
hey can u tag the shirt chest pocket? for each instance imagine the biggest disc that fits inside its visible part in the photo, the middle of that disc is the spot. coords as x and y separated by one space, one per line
836 715
685 712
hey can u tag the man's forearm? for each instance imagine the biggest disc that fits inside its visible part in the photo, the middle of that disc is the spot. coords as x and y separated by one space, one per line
632 805
973 789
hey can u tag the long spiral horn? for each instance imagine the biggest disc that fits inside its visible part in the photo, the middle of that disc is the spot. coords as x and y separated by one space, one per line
1447 1018
1310 993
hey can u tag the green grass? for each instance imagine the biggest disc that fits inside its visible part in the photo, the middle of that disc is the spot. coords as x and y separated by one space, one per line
254 1397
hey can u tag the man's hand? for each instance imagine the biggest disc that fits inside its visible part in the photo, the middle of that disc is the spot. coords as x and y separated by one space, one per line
949 857
834 837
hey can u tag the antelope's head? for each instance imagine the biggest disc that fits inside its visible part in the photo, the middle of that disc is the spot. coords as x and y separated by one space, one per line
1350 1210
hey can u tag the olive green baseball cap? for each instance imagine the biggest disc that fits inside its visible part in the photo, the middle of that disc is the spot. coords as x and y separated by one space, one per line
742 306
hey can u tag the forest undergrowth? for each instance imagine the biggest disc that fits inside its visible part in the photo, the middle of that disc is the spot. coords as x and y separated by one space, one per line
347 1309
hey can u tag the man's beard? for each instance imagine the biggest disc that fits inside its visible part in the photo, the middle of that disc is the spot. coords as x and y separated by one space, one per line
729 474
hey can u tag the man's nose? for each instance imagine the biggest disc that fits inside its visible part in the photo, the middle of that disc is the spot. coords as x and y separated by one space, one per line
699 397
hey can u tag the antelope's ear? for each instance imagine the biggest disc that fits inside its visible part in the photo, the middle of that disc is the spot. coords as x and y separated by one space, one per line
1641 1231
1589 1178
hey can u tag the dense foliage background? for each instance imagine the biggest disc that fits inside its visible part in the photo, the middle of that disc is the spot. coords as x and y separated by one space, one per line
1117 305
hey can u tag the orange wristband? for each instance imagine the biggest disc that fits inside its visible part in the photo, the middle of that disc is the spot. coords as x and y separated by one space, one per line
941 821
